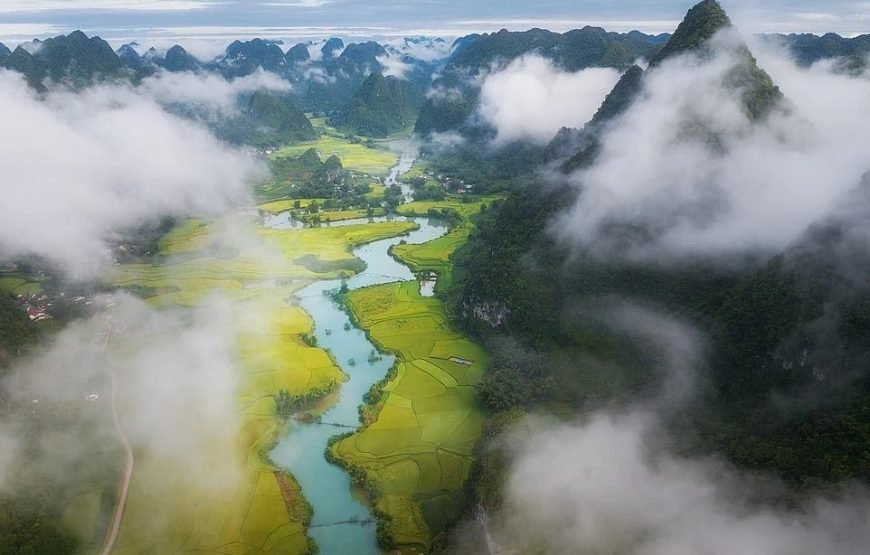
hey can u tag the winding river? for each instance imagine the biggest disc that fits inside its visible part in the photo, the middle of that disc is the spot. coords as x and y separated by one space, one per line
342 522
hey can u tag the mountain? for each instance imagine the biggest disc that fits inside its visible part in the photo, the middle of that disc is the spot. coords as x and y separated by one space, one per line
759 94
130 57
808 49
73 59
297 54
178 59
381 106
788 326
700 24
244 58
456 97
4 51
331 47
268 119
359 54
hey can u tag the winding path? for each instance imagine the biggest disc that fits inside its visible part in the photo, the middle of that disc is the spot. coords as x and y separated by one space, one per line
124 486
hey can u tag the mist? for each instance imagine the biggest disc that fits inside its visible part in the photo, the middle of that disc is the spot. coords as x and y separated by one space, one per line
207 90
612 481
80 166
687 165
607 485
689 174
533 99
177 379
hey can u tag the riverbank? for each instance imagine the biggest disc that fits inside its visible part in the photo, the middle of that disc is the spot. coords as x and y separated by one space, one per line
254 270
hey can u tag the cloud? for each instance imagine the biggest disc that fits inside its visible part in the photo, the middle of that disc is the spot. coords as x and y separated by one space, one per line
208 89
78 167
315 51
318 75
686 165
298 3
532 99
394 66
176 373
440 143
421 48
135 5
605 485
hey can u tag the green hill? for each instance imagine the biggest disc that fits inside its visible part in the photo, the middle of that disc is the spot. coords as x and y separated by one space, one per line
381 106
268 119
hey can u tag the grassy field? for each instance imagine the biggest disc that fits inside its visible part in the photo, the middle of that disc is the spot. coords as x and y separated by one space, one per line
278 206
354 156
340 215
15 283
255 509
416 449
464 206
435 256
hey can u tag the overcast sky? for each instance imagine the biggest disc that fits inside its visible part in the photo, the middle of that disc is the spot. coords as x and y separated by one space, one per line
163 20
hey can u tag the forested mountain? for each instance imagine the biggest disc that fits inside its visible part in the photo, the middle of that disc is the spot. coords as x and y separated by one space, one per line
789 326
702 22
381 106
267 119
808 49
74 59
244 58
571 51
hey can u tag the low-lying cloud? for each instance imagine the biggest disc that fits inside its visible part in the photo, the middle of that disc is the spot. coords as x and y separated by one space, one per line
687 167
208 90
604 486
77 167
176 380
393 66
532 99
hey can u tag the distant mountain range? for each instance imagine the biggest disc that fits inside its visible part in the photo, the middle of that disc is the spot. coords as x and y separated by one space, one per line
373 88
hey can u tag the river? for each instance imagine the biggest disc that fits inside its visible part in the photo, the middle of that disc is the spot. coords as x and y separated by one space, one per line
342 522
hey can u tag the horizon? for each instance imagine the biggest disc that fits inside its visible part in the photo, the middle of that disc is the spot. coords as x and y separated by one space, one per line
204 27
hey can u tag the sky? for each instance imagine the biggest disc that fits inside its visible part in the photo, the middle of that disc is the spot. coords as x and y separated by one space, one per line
158 21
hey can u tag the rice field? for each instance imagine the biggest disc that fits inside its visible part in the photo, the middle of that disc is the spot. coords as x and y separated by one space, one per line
251 508
435 256
278 206
464 206
416 450
15 283
354 156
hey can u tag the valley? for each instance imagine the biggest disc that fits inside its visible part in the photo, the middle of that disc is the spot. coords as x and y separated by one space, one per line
279 276
522 291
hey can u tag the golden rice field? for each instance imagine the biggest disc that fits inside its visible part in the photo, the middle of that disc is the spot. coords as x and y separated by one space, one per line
251 508
416 450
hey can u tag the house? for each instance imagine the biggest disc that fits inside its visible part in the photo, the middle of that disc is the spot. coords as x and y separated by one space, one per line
36 314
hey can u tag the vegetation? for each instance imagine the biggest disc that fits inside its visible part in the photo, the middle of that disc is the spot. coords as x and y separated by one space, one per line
415 453
283 372
784 328
73 59
450 110
268 119
354 155
381 106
